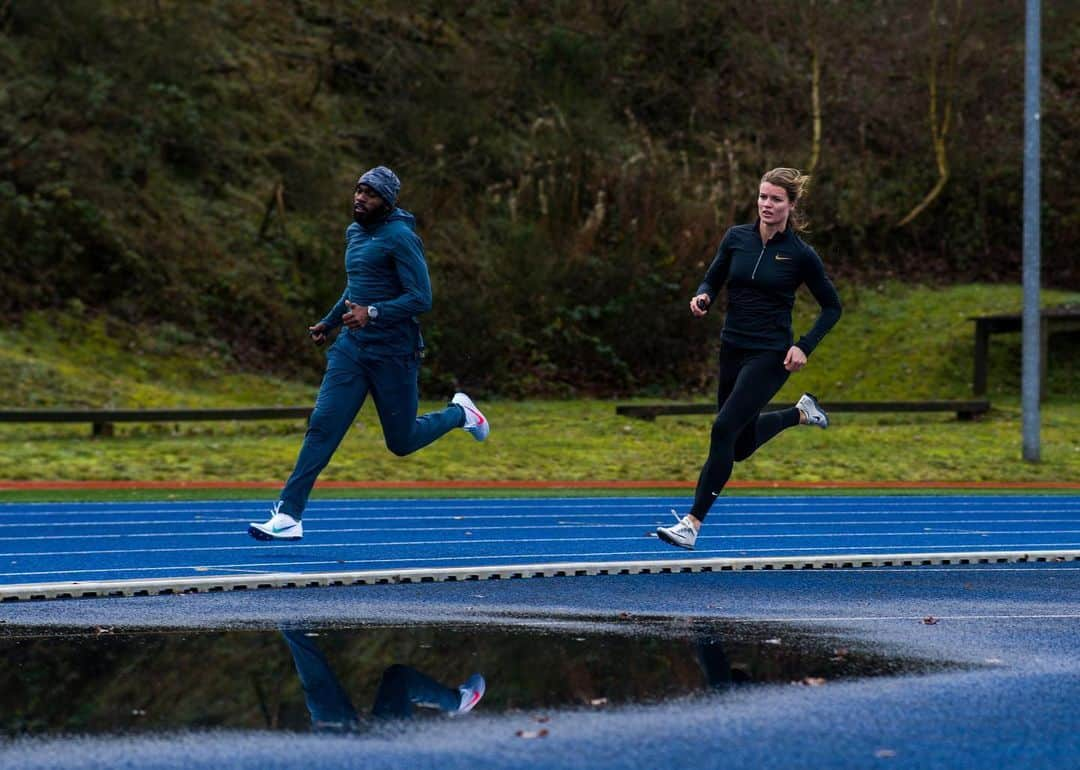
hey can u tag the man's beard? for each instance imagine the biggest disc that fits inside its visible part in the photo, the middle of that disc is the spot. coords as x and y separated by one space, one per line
371 215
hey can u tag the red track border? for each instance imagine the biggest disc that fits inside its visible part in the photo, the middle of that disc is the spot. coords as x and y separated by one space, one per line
16 485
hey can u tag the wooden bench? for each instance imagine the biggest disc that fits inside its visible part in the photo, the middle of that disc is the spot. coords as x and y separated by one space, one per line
103 420
965 410
1064 318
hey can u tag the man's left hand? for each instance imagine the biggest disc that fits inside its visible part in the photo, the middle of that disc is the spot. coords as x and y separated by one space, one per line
795 359
357 316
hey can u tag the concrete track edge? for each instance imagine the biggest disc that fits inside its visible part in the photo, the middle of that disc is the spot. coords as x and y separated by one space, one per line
216 584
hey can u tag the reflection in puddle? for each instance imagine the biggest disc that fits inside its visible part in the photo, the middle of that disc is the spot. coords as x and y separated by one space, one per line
109 681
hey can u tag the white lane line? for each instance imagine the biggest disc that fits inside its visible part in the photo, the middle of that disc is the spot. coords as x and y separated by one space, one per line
846 536
1051 504
175 531
152 586
383 524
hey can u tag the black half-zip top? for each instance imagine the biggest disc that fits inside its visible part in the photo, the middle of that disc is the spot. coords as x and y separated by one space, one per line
761 279
762 252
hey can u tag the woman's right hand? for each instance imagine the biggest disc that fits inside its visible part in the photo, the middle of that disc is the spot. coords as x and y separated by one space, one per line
699 305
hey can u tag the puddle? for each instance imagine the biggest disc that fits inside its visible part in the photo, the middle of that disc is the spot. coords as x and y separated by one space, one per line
108 681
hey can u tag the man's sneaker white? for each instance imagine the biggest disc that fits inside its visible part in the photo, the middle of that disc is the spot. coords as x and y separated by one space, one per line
281 526
815 415
682 534
471 693
475 422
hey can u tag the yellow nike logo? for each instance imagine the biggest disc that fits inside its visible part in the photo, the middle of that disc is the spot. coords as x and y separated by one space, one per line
782 258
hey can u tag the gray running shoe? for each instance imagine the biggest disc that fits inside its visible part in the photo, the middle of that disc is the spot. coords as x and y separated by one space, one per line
815 415
681 534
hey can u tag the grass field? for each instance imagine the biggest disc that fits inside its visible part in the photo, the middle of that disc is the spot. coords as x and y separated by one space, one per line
893 343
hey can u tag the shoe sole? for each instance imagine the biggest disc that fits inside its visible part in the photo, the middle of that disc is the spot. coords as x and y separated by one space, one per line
822 412
259 534
480 432
671 541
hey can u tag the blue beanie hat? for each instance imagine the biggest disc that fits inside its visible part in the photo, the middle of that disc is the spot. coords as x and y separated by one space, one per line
383 181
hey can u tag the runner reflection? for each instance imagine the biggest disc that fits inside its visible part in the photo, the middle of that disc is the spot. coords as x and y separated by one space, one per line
400 690
719 673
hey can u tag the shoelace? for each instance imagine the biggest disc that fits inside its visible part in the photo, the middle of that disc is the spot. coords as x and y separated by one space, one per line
682 525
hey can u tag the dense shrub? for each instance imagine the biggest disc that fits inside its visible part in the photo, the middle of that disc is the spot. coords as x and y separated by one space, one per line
572 165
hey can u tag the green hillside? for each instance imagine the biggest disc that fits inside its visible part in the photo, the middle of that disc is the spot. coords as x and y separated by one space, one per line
185 167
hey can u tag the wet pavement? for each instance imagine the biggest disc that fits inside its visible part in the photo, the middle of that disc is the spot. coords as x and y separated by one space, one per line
106 681
931 667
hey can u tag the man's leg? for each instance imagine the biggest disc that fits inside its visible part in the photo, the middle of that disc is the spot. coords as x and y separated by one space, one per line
344 388
396 395
402 687
327 702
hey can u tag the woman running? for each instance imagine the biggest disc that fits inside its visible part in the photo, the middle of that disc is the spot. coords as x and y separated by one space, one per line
763 264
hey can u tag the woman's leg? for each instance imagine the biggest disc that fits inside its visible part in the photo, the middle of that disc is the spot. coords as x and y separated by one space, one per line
396 395
748 380
762 429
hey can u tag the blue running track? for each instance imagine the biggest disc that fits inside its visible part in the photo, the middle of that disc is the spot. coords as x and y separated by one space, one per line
95 549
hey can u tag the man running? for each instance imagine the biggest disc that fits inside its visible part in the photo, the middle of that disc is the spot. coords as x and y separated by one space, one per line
378 352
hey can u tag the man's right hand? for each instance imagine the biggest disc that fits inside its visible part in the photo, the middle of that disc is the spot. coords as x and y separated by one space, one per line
318 333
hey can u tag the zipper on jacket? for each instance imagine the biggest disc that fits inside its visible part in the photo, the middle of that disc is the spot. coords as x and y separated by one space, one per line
758 263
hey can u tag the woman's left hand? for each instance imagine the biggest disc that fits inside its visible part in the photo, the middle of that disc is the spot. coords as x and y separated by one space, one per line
795 359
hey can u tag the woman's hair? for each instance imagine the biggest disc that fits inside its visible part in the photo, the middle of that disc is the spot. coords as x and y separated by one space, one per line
794 183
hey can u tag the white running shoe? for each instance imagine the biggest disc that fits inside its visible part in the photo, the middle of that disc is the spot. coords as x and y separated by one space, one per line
682 534
471 693
815 415
281 526
475 422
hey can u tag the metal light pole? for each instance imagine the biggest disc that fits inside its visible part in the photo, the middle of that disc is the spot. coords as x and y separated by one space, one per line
1030 385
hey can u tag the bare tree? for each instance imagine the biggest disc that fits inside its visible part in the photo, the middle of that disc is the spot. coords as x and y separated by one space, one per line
811 19
941 81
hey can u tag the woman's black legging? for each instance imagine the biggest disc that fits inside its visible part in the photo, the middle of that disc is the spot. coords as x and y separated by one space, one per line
748 380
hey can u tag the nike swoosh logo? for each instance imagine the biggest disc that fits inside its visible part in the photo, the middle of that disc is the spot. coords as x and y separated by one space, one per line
277 530
782 259
479 417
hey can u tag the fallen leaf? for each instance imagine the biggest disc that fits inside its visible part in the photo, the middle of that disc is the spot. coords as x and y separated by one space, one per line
542 718
541 733
884 753
813 681
929 620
